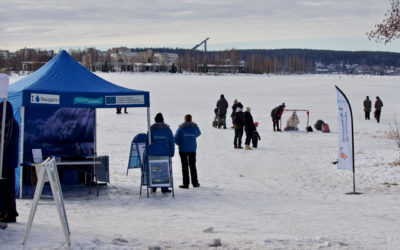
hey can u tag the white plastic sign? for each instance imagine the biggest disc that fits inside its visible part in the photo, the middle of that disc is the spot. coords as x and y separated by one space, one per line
345 132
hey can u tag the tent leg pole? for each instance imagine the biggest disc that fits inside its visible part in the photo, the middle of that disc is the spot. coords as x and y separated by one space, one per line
148 125
95 134
3 122
21 156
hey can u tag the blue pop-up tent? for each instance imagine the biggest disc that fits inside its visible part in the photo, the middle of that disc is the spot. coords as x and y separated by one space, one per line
56 108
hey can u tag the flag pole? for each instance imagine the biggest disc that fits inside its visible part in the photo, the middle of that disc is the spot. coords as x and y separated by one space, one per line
352 142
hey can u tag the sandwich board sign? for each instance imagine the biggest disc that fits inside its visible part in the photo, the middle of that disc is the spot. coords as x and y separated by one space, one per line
49 168
159 173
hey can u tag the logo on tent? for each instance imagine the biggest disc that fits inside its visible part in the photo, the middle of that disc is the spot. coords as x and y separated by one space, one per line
88 101
125 100
45 99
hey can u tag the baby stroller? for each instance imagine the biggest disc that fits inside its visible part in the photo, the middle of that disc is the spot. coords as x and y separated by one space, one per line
216 123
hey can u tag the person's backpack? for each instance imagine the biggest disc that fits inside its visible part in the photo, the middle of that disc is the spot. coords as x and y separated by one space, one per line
325 128
318 125
236 119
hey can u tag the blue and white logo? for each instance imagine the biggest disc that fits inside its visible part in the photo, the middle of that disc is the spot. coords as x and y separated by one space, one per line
88 101
45 99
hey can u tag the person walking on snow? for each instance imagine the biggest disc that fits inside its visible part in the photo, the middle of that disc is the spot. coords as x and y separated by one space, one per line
248 127
238 124
160 132
378 108
276 114
185 138
222 106
367 107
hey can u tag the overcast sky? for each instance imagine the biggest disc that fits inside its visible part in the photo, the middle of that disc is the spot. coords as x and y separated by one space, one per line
240 24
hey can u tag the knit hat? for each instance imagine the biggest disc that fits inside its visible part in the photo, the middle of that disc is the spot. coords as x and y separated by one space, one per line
283 104
159 118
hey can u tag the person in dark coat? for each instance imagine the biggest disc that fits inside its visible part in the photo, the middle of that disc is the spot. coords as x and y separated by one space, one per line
248 127
234 106
378 108
160 132
238 124
276 114
8 210
222 106
185 138
367 107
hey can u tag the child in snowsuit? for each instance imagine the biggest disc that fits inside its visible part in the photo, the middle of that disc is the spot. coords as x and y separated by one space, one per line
255 136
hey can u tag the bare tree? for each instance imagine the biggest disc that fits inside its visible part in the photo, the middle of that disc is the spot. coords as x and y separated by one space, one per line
394 132
389 29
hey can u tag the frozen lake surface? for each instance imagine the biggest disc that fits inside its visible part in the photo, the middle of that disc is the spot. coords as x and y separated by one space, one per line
286 194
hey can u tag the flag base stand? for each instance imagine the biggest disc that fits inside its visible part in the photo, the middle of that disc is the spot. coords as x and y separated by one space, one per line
356 193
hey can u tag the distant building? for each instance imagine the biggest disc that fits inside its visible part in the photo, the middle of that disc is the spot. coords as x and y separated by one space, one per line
146 57
165 58
322 71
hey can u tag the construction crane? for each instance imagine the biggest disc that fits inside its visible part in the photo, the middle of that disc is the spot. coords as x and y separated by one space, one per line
205 45
205 53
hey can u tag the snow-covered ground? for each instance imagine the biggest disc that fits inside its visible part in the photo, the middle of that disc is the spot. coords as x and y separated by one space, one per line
286 194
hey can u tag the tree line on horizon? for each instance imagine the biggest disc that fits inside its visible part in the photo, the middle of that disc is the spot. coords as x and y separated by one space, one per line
253 61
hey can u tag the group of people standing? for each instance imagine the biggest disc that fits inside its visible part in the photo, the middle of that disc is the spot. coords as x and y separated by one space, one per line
242 121
368 107
185 137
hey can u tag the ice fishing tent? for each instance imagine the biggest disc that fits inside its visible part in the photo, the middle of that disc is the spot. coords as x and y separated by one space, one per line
56 108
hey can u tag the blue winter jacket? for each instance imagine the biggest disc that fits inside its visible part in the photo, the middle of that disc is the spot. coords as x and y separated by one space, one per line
160 132
185 137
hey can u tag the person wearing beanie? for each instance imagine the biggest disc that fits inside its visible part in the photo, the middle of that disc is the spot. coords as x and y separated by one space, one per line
160 132
159 118
238 124
222 106
248 127
276 114
367 107
185 138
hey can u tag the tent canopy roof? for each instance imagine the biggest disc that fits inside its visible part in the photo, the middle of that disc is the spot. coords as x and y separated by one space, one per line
66 83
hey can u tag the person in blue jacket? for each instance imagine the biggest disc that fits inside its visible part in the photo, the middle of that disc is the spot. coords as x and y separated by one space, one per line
185 138
160 132
8 210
